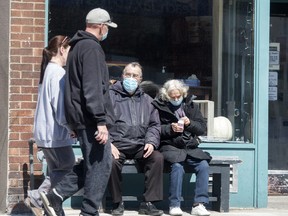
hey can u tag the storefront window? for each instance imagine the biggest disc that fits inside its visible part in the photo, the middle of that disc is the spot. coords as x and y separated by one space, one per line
208 44
236 71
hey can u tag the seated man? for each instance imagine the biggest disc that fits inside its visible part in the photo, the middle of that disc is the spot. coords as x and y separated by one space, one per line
135 135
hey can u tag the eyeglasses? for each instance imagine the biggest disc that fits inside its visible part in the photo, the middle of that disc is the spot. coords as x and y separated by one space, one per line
128 75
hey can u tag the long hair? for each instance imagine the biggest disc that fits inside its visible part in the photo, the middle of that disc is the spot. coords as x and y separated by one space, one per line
51 50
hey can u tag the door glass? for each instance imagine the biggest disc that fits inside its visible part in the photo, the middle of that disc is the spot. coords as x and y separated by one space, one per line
278 88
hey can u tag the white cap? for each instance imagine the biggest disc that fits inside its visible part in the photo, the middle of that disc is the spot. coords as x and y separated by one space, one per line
99 16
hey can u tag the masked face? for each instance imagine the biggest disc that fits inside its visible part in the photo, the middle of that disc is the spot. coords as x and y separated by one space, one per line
104 36
176 102
130 84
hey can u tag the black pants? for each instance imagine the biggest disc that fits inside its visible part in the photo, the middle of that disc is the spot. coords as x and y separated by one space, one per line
93 173
153 171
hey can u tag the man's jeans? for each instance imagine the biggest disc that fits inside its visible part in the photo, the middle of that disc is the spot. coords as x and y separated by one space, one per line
201 168
93 174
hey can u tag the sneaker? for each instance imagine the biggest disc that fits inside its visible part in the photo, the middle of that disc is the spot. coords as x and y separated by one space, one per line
118 209
52 202
147 208
175 211
200 210
35 210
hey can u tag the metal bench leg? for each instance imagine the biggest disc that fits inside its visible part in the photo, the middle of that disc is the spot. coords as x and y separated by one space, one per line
216 191
225 182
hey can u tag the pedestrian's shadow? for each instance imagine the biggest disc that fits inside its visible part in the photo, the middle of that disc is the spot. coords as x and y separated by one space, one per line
29 182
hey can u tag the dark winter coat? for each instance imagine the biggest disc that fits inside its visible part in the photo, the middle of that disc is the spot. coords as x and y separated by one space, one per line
137 120
175 147
87 101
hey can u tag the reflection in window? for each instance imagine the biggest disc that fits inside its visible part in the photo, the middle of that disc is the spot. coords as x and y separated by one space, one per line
176 39
236 101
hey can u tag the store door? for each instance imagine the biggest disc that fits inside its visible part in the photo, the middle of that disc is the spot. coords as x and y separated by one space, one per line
278 99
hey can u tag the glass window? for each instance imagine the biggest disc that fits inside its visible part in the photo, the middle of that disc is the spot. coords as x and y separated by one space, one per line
278 87
236 71
208 44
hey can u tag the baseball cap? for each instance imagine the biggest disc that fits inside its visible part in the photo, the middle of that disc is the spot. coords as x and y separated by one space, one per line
99 16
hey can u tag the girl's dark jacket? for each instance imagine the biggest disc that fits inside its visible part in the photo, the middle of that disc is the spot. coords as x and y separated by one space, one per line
175 147
137 120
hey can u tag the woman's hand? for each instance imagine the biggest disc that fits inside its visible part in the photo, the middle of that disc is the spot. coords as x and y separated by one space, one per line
186 121
176 128
73 134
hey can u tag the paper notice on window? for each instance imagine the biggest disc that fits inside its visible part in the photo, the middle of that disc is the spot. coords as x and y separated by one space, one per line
273 93
273 78
274 56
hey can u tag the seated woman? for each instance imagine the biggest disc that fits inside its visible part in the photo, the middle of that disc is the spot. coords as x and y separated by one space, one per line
179 144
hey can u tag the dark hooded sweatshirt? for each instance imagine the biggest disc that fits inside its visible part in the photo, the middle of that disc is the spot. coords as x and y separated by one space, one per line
87 101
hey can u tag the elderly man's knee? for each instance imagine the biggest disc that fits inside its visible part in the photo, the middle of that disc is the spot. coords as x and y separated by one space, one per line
158 157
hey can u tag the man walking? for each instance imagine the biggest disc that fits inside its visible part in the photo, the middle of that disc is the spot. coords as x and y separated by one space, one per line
88 112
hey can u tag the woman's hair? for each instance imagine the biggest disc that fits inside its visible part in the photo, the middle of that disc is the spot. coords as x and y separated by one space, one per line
173 85
51 50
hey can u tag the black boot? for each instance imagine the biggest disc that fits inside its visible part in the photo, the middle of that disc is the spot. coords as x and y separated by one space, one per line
118 209
147 208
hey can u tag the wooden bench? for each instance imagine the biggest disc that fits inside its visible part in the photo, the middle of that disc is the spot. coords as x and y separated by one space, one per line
219 170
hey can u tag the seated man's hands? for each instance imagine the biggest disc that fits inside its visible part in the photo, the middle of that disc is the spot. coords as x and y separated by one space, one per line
148 149
115 151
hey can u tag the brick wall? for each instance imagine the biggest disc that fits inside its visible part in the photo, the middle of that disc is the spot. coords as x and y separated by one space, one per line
26 44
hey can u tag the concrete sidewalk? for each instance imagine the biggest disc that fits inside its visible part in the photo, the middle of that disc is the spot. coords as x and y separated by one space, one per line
277 206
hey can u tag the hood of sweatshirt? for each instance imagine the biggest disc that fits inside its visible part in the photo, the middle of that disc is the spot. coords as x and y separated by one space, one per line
81 35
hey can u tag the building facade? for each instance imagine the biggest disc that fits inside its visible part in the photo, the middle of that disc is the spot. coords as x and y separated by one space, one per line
218 47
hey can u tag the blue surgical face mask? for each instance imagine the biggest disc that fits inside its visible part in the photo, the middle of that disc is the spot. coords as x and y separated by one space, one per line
104 36
176 102
130 84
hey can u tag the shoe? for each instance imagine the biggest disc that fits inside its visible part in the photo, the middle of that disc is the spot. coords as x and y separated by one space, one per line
36 211
175 211
200 210
118 209
52 203
45 213
147 208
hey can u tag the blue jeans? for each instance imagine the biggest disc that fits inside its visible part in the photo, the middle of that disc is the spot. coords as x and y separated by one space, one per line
201 168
